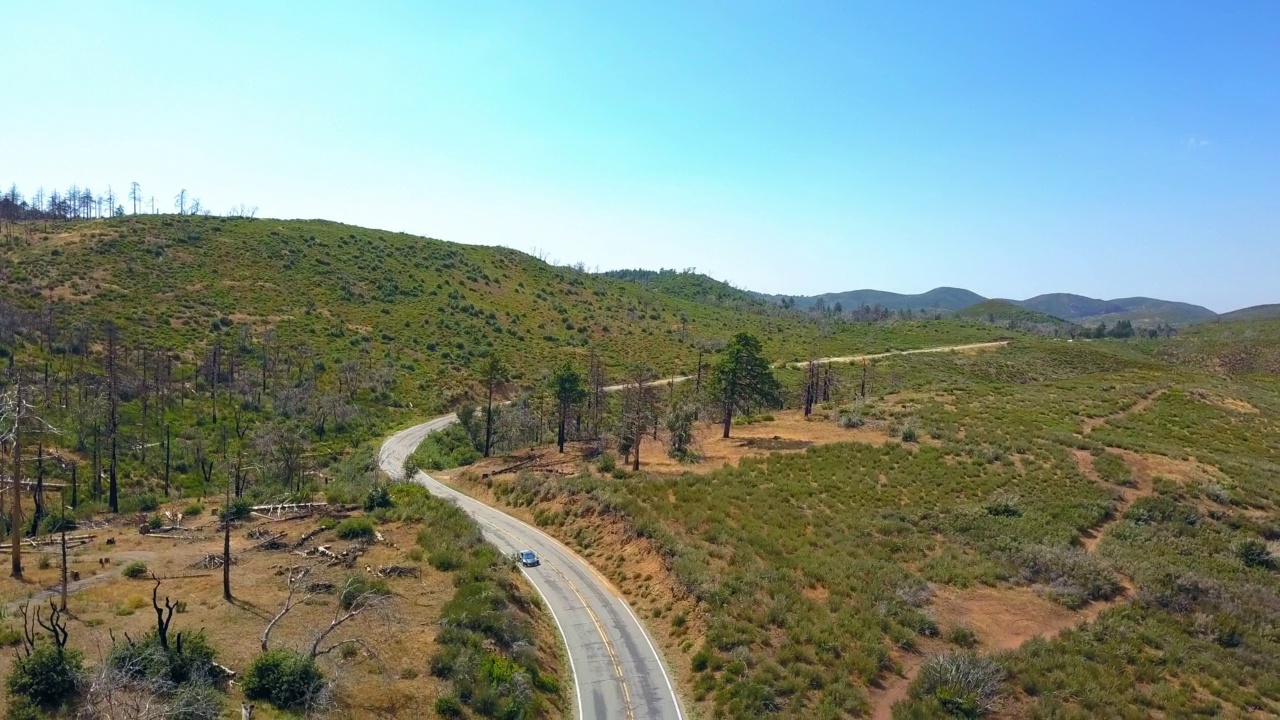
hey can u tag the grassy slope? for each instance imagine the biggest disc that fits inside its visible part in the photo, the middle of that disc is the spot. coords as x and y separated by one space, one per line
427 307
1007 314
689 286
1257 312
945 298
803 565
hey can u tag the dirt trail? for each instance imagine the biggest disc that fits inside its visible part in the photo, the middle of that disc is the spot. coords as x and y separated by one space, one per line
891 353
75 586
842 359
1140 406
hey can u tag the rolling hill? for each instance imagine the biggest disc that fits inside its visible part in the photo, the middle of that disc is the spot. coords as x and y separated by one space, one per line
942 298
1138 310
1013 316
424 311
1256 312
1143 311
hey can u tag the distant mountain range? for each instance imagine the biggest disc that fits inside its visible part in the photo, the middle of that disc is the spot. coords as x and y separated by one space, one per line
1041 310
1066 306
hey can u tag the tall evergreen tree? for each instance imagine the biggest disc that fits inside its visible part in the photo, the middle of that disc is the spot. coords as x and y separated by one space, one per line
743 378
567 386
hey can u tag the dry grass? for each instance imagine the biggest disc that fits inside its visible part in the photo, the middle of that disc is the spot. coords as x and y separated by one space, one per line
394 682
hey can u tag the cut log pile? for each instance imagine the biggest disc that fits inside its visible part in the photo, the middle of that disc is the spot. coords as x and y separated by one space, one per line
53 541
210 562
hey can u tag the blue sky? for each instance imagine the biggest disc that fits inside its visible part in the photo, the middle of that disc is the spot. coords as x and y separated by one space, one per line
1013 148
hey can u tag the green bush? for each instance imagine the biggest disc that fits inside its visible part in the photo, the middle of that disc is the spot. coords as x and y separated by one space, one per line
284 678
448 706
963 637
145 502
358 586
193 510
22 708
962 685
134 570
1254 553
607 464
189 659
355 529
909 434
239 509
378 497
46 677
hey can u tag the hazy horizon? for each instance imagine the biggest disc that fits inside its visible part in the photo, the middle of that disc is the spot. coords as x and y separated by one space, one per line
1007 149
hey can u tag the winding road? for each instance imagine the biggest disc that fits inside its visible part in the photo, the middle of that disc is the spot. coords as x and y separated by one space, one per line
617 671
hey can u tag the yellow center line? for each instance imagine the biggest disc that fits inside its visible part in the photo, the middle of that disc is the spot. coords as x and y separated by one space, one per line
608 646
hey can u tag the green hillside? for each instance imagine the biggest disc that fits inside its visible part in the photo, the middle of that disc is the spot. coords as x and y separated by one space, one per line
943 298
1231 348
1142 311
1010 315
690 285
425 311
1256 312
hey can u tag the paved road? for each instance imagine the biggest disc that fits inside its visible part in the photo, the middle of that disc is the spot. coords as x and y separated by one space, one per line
616 668
617 671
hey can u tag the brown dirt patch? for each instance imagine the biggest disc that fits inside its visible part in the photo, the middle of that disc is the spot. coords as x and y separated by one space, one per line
1005 618
1002 618
789 431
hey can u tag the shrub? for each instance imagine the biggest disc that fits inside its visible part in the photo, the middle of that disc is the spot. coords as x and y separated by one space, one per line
962 636
1073 577
909 434
189 659
46 677
56 523
378 497
1002 504
355 529
239 509
849 419
961 685
1254 553
607 463
22 708
134 570
9 636
448 707
284 678
145 502
192 510
358 586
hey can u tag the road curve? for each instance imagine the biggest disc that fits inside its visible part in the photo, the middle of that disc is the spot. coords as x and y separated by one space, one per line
617 671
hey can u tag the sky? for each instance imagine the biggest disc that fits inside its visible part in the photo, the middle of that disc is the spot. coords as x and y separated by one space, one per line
1012 148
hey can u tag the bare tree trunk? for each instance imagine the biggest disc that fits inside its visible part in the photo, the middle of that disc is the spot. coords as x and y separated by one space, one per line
16 517
226 545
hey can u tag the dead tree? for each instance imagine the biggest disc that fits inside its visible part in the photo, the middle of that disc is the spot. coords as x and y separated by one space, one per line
226 544
640 411
56 627
296 576
15 412
113 415
164 615
371 601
